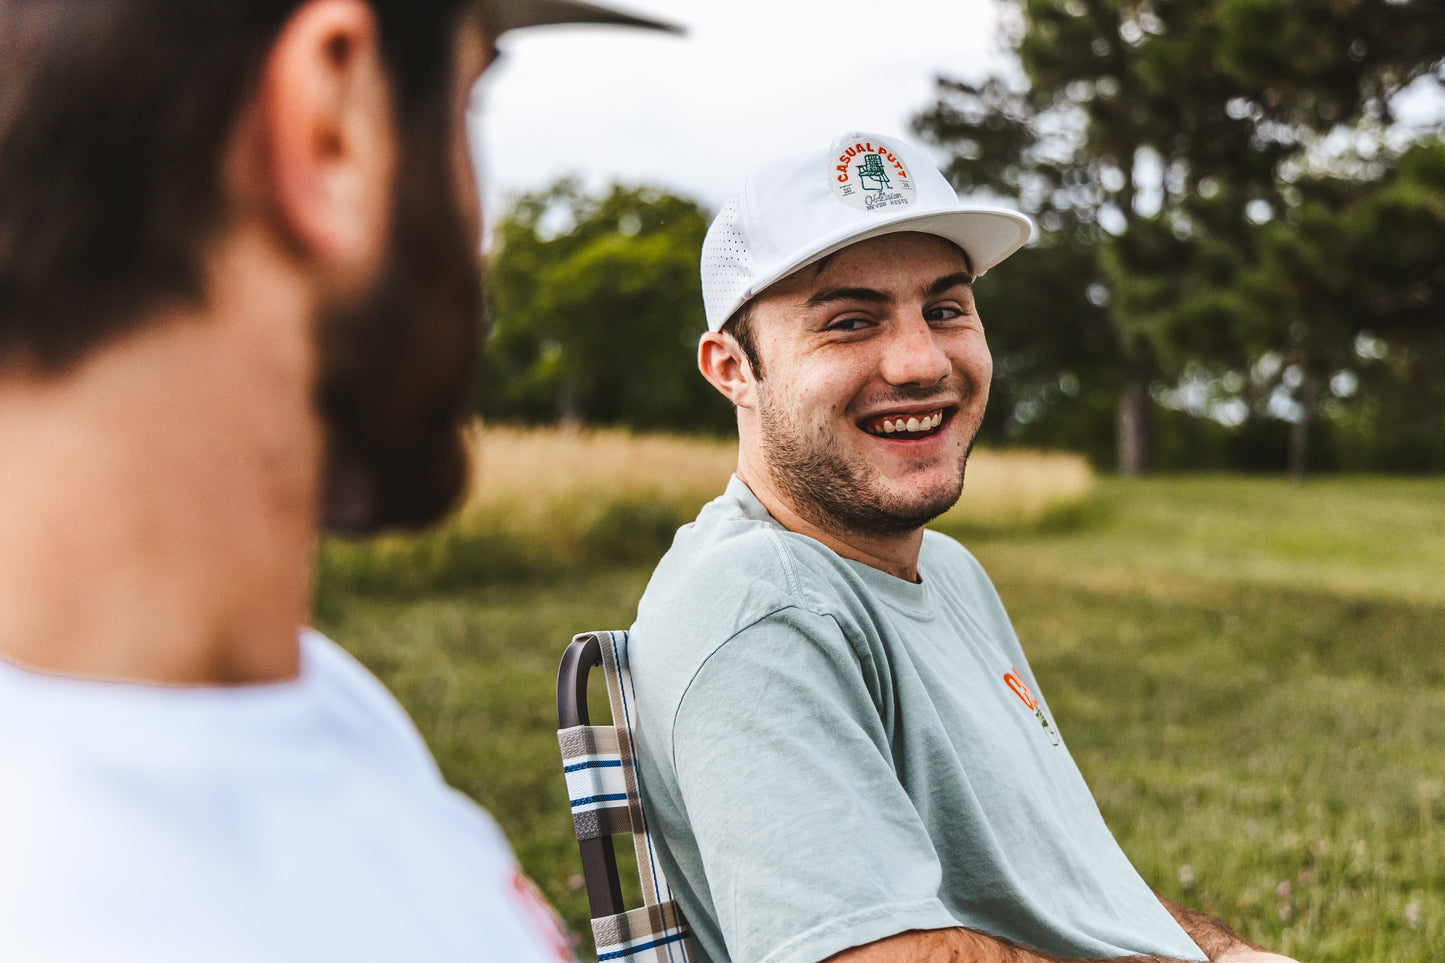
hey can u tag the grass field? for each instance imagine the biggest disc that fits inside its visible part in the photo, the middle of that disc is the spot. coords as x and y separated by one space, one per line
1249 672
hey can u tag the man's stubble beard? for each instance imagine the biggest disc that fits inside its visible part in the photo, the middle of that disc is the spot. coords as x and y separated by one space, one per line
839 495
396 367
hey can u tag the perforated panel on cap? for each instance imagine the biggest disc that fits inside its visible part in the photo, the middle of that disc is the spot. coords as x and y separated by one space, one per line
728 266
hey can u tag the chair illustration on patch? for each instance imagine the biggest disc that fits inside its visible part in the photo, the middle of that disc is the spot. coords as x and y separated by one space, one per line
602 784
872 175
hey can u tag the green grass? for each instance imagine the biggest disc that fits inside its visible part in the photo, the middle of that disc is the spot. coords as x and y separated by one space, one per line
1250 674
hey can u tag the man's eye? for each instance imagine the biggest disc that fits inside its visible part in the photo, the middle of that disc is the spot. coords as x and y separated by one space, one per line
941 314
849 324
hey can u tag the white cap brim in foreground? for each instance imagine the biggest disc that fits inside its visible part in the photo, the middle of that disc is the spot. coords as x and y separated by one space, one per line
796 210
504 15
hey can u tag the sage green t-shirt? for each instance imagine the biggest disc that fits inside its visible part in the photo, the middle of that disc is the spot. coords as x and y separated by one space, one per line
831 756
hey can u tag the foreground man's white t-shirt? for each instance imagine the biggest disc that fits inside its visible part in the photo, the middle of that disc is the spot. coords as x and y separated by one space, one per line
298 821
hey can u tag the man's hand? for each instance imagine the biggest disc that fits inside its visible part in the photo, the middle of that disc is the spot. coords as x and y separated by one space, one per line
1245 955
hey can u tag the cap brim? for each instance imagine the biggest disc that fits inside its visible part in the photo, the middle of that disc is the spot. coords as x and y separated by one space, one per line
987 235
507 15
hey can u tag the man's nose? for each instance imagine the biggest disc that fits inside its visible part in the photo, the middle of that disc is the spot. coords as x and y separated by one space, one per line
913 355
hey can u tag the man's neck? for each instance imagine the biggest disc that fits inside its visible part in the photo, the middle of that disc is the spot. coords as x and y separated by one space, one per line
895 554
158 503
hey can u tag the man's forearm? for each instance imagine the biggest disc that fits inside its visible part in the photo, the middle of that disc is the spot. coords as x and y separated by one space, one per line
1217 940
1210 934
962 946
958 945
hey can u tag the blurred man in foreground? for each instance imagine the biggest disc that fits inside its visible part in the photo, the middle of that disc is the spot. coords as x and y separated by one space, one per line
238 303
842 743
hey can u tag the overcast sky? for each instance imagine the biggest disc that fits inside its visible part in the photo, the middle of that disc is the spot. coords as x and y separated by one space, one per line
751 78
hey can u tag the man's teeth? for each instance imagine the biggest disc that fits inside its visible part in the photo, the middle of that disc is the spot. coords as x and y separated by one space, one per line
926 423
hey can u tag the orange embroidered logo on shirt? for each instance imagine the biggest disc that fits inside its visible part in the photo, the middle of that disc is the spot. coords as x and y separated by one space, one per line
1015 682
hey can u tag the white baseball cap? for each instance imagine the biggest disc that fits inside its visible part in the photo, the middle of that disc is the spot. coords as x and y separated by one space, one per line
795 210
504 15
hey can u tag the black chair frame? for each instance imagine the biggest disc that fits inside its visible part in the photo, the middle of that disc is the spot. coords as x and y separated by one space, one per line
599 858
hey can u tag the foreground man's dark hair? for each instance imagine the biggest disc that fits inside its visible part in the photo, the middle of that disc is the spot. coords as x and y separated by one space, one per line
113 118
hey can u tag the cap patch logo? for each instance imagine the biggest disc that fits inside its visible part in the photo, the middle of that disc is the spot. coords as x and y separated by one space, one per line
870 176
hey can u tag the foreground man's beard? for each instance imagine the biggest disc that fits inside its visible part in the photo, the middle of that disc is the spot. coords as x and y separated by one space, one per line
396 368
838 494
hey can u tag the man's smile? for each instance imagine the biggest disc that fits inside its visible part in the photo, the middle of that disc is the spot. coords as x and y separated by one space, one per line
906 425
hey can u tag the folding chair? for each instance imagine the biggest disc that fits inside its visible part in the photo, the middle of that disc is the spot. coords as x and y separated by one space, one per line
602 783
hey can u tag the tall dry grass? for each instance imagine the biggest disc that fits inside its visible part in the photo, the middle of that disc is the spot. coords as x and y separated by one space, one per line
526 470
1006 490
544 501
529 469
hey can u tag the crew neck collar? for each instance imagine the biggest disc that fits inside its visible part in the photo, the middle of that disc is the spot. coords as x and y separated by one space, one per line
913 599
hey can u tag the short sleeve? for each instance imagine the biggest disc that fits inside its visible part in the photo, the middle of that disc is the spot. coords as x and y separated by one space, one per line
809 842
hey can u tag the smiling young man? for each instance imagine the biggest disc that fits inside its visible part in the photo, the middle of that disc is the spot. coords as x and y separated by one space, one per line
239 305
843 749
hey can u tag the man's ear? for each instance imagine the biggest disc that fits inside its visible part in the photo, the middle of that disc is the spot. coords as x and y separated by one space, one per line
726 368
329 131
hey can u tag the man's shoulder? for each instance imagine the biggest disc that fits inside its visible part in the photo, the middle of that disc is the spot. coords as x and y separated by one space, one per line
303 772
365 707
947 550
948 562
728 573
729 569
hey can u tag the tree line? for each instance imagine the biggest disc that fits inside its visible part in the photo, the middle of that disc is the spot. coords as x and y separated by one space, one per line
1239 261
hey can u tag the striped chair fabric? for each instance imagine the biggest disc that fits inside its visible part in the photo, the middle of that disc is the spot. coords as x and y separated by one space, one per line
602 784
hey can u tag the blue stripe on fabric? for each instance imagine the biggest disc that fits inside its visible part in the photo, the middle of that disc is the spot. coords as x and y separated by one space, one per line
611 797
602 764
620 954
617 658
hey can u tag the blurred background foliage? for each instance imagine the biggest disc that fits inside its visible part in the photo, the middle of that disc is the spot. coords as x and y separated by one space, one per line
1238 262
596 309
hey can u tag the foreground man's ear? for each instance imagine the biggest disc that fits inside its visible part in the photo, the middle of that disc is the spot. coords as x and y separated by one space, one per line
723 364
325 115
